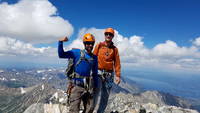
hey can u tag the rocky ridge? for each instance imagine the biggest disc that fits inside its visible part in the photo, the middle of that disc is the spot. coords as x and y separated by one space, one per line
119 103
127 103
146 102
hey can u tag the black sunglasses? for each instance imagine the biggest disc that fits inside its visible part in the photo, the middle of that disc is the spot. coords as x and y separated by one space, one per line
89 43
109 34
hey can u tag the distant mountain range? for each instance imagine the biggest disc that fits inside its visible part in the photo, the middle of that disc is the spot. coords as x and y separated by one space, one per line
42 90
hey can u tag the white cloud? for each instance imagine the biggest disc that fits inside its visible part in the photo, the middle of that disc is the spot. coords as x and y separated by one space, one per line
171 49
13 47
33 21
16 52
196 42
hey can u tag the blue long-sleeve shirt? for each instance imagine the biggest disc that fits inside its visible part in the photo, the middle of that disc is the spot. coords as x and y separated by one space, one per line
84 67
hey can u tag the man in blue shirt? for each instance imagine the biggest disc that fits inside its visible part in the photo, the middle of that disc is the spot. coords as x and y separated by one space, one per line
85 74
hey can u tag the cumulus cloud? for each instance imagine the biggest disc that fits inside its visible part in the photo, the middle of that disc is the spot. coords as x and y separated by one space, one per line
13 47
16 52
171 49
33 21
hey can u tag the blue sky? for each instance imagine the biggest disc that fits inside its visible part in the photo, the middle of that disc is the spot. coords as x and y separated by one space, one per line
156 35
156 20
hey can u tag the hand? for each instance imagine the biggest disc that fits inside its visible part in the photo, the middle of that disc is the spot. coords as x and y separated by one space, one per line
117 80
64 39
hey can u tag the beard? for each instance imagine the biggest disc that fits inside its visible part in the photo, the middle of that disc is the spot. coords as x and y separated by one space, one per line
89 48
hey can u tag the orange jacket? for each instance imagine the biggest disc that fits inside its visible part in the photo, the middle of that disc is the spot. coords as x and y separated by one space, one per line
108 58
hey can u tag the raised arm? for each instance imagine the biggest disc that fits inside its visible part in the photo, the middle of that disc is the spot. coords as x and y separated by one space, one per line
61 52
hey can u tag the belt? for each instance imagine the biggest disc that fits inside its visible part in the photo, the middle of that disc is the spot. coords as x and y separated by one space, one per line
76 75
104 74
84 83
78 83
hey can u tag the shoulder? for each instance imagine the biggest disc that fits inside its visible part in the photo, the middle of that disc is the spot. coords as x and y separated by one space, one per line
76 52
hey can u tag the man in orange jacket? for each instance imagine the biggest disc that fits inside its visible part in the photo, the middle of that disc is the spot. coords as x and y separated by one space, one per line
108 62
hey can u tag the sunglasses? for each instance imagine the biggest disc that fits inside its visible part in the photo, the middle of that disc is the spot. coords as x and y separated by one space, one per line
109 34
89 43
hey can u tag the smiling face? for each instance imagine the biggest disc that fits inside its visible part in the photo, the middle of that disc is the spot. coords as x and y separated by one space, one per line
89 46
108 36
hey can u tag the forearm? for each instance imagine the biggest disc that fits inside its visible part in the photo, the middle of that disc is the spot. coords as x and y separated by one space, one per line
60 50
117 64
118 70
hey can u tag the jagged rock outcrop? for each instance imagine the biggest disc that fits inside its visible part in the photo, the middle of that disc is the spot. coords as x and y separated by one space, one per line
127 103
17 102
120 103
47 108
159 98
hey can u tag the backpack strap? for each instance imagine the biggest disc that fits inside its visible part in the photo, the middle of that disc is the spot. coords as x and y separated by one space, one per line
70 71
82 57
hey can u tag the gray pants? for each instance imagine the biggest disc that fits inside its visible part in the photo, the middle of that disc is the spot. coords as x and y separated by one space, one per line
77 95
105 86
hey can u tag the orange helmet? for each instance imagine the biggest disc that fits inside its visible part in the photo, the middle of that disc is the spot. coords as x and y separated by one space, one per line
88 38
110 30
